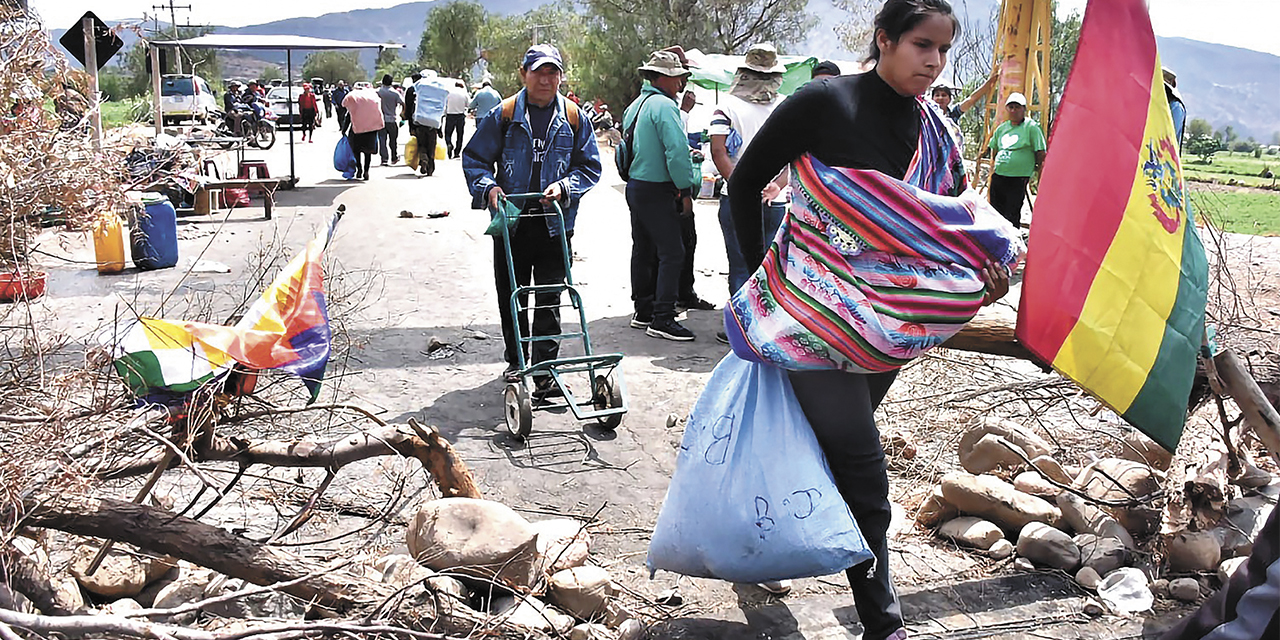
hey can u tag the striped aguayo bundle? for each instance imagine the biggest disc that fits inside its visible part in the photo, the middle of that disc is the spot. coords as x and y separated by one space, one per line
867 271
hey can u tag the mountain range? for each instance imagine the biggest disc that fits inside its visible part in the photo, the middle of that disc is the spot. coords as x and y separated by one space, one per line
1222 84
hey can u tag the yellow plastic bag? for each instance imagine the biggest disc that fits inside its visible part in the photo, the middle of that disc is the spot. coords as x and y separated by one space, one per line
411 153
440 151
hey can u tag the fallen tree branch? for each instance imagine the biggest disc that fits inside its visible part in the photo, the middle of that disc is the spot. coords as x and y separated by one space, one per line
81 626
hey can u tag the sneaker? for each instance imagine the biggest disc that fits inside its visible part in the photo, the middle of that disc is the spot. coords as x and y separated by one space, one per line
780 588
669 329
639 323
722 337
697 304
546 387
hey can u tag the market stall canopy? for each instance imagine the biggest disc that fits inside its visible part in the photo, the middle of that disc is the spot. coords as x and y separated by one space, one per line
230 41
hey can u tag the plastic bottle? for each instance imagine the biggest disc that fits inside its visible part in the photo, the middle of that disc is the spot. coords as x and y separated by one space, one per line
108 243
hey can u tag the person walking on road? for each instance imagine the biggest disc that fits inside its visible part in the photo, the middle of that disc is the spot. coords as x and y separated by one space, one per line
659 192
429 98
455 119
484 101
340 94
391 103
364 110
534 141
327 96
308 111
1020 147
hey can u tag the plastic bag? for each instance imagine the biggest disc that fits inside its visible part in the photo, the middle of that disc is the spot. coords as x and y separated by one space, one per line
411 153
440 151
507 213
752 498
344 160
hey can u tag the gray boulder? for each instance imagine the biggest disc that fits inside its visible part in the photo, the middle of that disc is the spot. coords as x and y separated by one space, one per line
476 537
562 544
971 532
582 591
1103 555
1024 439
1115 480
122 574
1185 589
1193 551
1045 545
1083 517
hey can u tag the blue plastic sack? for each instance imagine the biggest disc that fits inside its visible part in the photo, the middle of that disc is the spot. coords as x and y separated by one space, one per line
752 498
344 160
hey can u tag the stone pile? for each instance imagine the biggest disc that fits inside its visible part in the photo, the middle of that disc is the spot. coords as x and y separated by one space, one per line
1013 497
534 575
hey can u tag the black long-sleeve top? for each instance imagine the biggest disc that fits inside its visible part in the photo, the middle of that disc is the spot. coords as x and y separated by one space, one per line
858 122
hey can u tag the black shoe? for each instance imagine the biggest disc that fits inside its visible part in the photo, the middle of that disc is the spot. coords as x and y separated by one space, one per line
669 329
638 322
697 304
722 337
546 387
511 374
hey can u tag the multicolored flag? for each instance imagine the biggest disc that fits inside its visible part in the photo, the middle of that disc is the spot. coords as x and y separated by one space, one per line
286 328
1116 278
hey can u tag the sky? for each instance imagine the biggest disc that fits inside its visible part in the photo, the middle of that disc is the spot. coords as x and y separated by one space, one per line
1250 24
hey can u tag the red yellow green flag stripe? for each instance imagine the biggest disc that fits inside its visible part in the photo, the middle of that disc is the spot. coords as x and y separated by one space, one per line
1116 277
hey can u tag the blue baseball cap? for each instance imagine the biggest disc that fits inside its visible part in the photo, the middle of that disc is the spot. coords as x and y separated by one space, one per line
540 54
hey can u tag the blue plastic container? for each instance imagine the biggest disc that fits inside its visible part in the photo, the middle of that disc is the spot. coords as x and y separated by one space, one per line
155 234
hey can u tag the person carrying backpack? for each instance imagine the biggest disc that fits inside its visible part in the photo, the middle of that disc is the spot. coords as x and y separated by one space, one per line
534 141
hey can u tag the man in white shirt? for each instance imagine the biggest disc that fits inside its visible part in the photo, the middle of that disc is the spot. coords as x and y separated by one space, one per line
734 122
455 118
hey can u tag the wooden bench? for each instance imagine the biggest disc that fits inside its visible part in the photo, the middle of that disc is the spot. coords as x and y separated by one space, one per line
266 186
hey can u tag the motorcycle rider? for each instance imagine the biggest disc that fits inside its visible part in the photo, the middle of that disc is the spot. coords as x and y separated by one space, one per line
232 108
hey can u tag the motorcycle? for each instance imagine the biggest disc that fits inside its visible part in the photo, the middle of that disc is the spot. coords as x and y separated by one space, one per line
257 131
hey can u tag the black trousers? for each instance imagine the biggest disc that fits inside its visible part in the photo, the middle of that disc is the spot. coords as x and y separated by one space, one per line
534 252
657 248
689 236
1006 195
454 122
344 119
426 147
840 408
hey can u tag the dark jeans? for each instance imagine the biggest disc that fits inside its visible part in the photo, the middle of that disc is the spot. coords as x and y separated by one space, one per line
328 109
657 248
454 122
426 147
739 270
389 134
689 236
1006 194
533 252
307 118
840 408
344 119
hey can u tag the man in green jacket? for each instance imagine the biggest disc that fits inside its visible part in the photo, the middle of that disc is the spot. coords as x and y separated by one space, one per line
659 192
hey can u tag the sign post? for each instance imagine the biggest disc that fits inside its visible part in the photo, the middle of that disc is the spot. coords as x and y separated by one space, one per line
91 67
154 52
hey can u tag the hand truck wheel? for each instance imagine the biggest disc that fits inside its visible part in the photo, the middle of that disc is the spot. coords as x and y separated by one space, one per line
606 395
518 410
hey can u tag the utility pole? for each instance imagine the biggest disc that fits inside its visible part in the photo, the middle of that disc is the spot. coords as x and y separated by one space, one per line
173 23
536 28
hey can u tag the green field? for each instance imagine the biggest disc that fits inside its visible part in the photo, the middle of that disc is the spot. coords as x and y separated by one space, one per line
1241 167
1241 211
117 113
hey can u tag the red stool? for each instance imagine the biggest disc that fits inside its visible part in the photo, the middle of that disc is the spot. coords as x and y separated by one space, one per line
252 169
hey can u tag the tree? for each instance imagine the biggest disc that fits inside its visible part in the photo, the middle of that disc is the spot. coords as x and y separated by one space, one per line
1199 127
1204 146
1062 54
618 36
1226 135
271 72
333 66
451 41
1275 137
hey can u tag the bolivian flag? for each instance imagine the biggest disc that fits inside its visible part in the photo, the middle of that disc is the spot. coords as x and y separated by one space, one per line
1116 277
286 328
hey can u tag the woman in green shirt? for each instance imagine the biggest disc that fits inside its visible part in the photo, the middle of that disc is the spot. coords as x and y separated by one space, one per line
1019 146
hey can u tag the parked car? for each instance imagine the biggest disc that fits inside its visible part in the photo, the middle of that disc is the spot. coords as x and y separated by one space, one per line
279 98
187 97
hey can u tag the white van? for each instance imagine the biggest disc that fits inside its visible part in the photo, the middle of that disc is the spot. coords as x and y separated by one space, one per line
186 97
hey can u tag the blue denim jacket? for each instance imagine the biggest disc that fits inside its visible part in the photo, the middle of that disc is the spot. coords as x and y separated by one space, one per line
573 160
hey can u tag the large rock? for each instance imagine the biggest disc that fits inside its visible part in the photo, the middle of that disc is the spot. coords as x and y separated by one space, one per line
1042 543
1103 555
997 500
935 510
1088 578
189 587
270 604
971 532
1193 551
1083 517
993 453
1052 468
1245 516
1185 589
990 457
1140 448
530 613
122 574
476 537
1031 482
590 632
1001 549
1116 480
69 595
562 544
582 591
